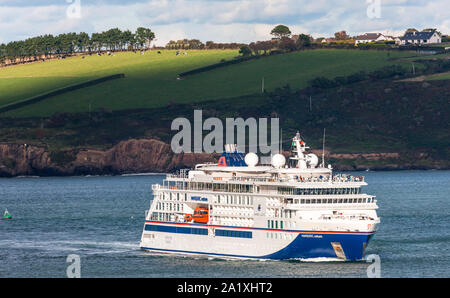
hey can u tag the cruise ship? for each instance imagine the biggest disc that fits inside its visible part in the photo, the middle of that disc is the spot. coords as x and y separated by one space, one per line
235 208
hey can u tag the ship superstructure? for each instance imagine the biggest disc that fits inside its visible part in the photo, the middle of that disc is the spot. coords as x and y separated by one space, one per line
237 208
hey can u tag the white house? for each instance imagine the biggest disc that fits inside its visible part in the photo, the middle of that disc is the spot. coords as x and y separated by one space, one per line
418 38
370 37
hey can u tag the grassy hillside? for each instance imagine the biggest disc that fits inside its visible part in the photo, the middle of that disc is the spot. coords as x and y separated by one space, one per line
151 79
144 73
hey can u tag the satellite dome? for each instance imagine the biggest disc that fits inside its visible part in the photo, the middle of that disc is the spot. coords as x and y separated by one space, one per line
278 160
312 160
251 159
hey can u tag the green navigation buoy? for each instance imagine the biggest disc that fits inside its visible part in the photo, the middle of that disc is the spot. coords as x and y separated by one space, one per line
6 215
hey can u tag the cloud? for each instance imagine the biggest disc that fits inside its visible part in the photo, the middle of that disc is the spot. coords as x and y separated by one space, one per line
219 20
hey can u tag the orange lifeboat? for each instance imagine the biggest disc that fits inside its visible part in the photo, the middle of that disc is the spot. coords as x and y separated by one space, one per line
188 217
201 215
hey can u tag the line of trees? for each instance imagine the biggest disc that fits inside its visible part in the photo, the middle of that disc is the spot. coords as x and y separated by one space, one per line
282 41
195 44
47 46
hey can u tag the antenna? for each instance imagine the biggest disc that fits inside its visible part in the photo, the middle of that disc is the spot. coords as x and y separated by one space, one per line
281 141
323 149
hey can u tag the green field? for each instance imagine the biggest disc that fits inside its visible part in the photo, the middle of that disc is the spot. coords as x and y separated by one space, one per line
151 78
442 76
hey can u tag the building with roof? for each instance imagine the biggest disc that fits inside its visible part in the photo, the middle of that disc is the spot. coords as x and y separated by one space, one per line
371 37
419 38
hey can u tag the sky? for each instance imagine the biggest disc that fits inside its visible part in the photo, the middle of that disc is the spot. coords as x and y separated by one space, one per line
220 20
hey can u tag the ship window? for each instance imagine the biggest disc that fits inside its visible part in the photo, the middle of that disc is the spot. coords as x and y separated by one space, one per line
313 201
281 224
308 201
330 201
345 200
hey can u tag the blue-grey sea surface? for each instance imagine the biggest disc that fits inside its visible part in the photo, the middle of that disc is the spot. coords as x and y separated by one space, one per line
101 220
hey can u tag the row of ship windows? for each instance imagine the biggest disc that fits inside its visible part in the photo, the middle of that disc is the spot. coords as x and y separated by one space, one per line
245 188
159 216
223 187
178 230
285 236
319 191
221 199
235 200
198 231
247 200
334 201
172 196
237 234
169 206
275 224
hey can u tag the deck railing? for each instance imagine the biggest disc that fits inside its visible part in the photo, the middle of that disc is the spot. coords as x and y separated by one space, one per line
323 179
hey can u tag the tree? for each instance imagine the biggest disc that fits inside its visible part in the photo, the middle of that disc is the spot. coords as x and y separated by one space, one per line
303 41
267 45
432 30
245 51
144 36
341 35
287 44
411 30
281 31
2 53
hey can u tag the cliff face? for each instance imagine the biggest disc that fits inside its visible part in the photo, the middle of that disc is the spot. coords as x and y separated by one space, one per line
131 156
149 155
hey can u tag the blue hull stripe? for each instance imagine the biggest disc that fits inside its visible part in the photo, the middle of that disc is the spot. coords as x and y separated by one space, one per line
261 229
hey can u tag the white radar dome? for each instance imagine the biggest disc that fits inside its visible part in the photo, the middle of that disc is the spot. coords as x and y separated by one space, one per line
312 160
251 159
278 160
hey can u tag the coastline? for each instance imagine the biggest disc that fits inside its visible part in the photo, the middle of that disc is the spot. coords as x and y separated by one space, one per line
139 157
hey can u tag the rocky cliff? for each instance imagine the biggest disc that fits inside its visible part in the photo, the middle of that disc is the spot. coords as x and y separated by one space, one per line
131 156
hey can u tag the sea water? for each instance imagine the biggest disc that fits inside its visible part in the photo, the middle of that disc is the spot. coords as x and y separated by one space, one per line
100 219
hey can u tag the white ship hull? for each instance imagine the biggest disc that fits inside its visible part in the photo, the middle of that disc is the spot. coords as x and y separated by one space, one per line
243 242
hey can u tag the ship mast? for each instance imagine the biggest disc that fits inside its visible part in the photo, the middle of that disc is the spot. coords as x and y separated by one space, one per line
299 147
